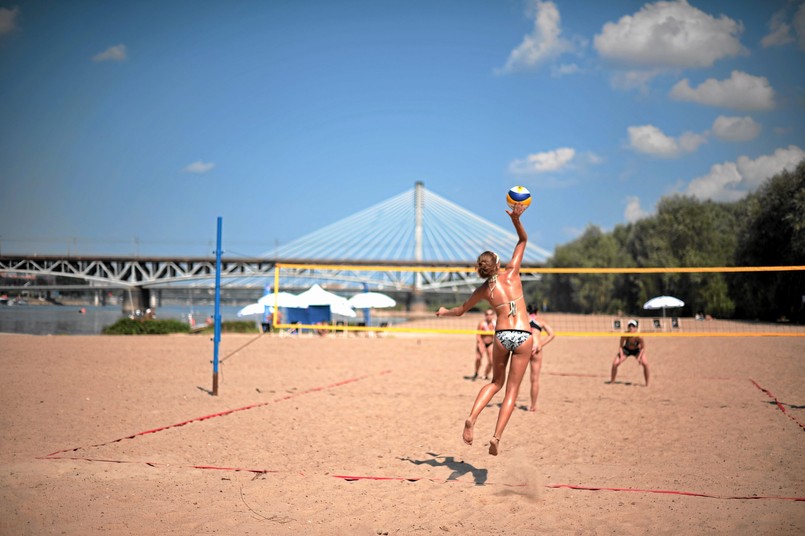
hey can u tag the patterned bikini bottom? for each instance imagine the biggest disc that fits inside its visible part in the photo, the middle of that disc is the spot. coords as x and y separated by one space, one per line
511 339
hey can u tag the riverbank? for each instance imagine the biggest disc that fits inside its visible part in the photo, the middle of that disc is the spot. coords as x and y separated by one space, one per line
362 435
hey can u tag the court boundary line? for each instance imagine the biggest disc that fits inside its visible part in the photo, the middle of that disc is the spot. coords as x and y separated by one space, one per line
778 403
353 478
220 413
356 478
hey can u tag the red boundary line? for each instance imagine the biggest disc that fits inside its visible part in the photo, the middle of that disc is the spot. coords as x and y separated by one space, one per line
220 414
355 478
352 478
673 492
779 404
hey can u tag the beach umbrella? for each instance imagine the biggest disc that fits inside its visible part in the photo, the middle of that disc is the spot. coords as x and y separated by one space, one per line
255 309
371 300
663 302
284 299
316 295
343 309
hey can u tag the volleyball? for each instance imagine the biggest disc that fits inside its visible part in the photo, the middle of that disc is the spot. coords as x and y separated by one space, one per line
518 195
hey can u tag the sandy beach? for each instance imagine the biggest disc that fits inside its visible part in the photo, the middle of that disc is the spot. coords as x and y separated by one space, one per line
362 436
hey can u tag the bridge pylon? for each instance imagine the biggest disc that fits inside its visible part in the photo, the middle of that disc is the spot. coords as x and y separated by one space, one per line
138 299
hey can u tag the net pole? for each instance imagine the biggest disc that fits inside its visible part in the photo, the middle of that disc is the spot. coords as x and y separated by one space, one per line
275 313
217 333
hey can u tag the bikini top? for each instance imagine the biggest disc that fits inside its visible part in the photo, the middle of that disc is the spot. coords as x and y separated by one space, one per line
512 304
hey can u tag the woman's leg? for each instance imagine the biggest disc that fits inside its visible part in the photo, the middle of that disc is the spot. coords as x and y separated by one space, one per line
520 358
646 373
536 366
478 357
615 364
488 371
500 357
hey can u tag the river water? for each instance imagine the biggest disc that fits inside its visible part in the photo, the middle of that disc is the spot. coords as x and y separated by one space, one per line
67 320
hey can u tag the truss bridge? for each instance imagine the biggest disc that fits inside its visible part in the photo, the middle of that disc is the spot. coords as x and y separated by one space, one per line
415 229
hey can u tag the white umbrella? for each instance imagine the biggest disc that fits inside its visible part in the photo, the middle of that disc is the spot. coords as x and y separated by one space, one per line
663 302
343 309
284 299
316 295
255 309
371 300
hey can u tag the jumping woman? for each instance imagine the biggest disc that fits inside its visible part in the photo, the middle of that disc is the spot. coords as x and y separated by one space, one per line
504 292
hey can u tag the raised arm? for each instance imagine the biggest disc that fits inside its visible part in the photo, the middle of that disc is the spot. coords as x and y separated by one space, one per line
466 306
522 238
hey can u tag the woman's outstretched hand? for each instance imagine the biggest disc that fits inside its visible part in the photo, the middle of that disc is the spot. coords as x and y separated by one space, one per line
442 311
516 211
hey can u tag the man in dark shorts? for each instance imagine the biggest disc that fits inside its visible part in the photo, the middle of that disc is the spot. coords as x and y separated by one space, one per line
631 346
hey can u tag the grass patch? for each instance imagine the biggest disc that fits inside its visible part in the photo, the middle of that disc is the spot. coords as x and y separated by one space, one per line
128 326
233 326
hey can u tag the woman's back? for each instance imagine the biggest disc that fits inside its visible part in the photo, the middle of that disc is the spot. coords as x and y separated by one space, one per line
505 295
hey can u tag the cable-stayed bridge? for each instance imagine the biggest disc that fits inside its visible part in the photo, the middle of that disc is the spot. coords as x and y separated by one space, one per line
414 228
416 225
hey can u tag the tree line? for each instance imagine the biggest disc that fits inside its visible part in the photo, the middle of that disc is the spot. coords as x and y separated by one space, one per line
766 228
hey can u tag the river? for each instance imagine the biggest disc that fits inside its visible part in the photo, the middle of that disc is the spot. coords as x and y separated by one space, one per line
68 320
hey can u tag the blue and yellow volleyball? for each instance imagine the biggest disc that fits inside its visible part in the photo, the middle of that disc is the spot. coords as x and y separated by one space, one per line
518 195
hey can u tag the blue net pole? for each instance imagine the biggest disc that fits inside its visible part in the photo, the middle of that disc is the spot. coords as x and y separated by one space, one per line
217 337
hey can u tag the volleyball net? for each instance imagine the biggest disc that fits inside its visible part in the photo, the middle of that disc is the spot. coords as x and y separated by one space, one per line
718 301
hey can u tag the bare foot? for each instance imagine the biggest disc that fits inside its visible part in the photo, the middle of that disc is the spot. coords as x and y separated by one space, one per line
493 446
467 434
532 408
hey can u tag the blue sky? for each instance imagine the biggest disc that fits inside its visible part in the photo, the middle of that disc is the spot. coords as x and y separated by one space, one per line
129 127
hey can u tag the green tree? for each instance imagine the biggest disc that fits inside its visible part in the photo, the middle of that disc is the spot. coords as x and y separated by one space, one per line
774 236
687 232
586 293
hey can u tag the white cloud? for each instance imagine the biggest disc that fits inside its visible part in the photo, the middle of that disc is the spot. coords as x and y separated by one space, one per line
740 91
735 128
592 158
779 31
731 181
565 69
670 35
115 53
634 79
543 162
572 232
799 26
543 43
8 19
199 167
633 210
649 139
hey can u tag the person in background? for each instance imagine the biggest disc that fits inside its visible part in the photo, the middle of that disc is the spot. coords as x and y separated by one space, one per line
631 345
538 327
483 344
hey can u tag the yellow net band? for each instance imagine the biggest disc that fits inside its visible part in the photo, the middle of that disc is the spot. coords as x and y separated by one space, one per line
564 322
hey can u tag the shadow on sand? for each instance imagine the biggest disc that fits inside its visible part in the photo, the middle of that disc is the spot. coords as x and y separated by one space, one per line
459 467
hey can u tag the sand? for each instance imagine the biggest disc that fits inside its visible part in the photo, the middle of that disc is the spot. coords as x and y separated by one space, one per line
362 436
